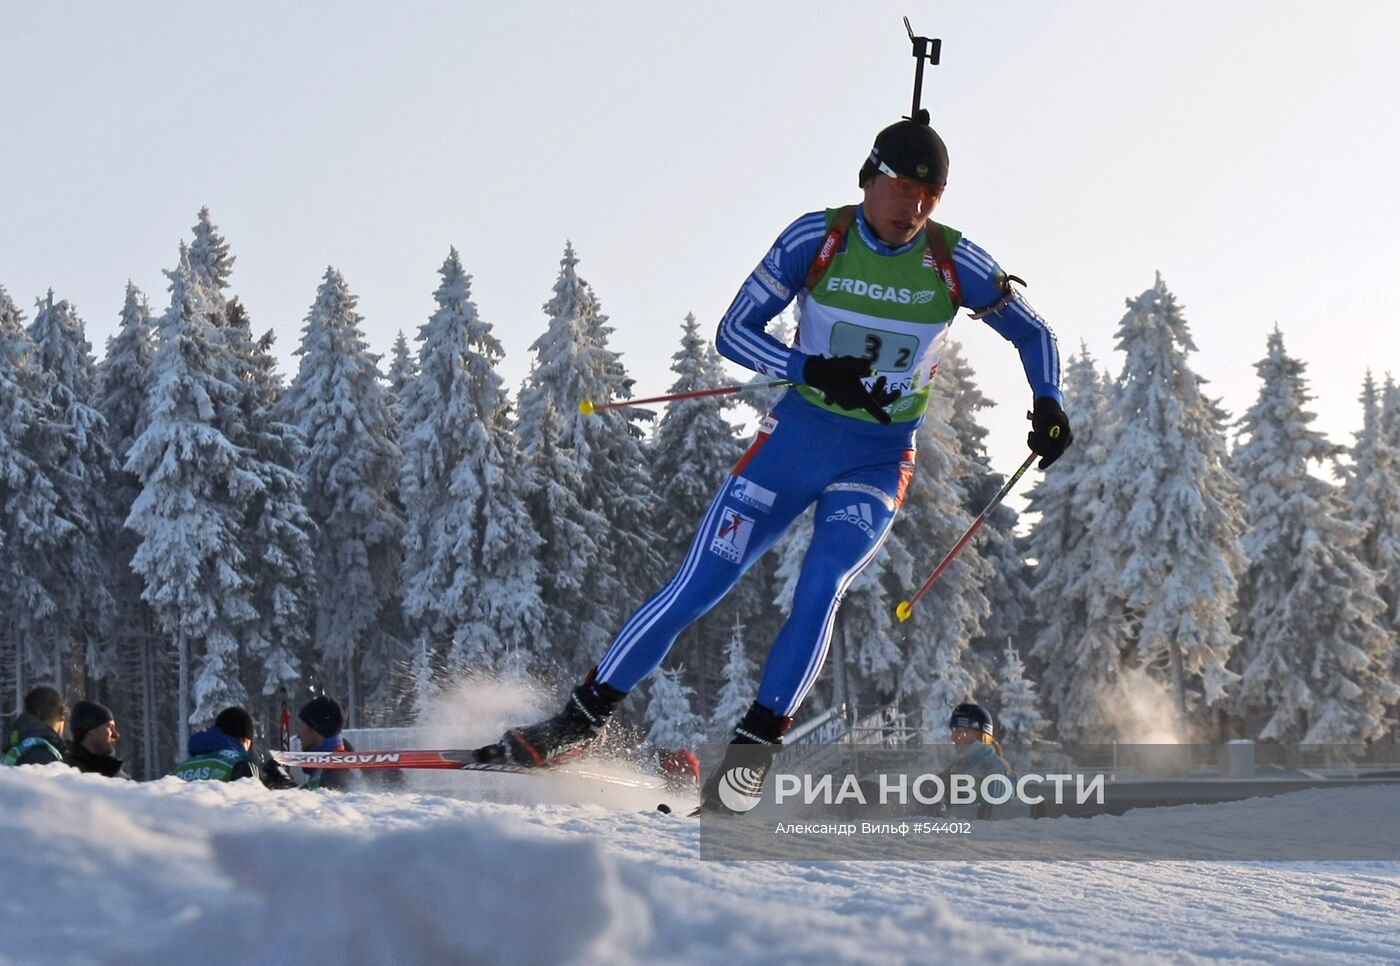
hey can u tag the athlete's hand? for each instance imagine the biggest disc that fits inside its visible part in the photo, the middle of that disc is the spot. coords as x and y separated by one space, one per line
838 379
839 382
1050 435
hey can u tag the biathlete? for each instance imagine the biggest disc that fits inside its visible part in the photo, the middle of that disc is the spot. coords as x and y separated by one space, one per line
877 285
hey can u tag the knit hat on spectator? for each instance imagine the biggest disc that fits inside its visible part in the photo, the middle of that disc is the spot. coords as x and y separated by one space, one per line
323 714
236 723
86 716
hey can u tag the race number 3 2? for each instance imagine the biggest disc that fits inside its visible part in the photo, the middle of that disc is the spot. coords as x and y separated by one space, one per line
886 351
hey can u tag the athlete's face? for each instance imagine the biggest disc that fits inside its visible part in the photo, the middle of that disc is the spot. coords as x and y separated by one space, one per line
898 208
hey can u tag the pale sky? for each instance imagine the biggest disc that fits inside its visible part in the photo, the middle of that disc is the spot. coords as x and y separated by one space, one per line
1247 150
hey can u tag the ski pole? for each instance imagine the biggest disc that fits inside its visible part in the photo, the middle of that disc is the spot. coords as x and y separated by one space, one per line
588 407
906 607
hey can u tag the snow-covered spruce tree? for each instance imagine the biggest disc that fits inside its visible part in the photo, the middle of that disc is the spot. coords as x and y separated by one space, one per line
390 687
394 689
569 554
80 465
1371 494
1170 528
1020 719
196 493
619 463
1390 428
693 452
278 530
586 472
934 672
18 414
123 387
210 261
124 374
1081 625
349 469
1312 653
1008 593
471 580
739 687
1390 412
33 527
402 368
673 723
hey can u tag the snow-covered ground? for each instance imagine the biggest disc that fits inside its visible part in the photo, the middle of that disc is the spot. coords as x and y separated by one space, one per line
97 870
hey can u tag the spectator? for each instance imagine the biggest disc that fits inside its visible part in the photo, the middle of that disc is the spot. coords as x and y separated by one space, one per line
222 752
978 752
318 729
36 735
95 737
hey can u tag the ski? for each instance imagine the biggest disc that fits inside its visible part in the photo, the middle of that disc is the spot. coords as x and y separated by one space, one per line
450 759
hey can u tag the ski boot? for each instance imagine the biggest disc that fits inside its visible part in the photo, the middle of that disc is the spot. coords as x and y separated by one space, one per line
566 735
737 783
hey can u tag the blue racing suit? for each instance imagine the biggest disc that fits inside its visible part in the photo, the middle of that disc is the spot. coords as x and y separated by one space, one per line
891 301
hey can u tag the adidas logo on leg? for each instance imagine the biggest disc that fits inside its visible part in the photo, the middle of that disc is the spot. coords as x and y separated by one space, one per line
858 514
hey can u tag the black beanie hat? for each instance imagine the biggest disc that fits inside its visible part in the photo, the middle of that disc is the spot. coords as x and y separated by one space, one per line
971 716
86 716
236 723
46 704
909 149
323 714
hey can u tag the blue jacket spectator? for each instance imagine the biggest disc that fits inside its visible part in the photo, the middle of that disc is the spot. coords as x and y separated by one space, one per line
223 752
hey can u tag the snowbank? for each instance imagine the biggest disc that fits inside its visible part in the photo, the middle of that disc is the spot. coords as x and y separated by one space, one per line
104 871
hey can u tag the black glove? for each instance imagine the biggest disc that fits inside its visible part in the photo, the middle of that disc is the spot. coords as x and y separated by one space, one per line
273 775
1049 436
839 381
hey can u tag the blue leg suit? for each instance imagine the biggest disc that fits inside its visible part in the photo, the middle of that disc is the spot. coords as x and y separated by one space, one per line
855 472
